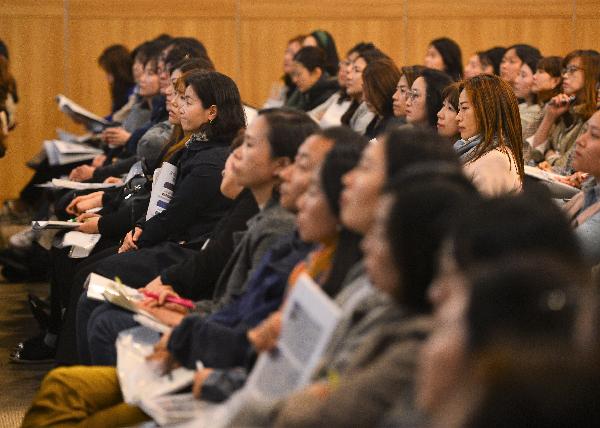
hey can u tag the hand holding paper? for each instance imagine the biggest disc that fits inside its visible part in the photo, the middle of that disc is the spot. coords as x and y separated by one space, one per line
89 223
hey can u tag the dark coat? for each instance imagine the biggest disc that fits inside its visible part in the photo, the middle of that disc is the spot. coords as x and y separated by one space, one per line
320 92
219 340
195 278
197 203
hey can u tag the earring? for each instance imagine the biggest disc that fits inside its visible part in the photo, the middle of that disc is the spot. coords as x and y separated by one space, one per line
210 121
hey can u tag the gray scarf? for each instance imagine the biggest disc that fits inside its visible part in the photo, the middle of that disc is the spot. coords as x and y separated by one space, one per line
464 147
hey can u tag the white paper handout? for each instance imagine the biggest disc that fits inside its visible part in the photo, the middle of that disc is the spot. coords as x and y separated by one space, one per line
163 186
72 138
54 224
62 152
104 289
76 185
551 180
92 121
141 378
82 243
308 320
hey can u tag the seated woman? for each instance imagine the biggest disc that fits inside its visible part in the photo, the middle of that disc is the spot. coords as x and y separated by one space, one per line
380 78
408 74
529 108
583 209
380 373
365 308
505 306
219 344
513 59
484 62
314 85
546 83
324 40
341 104
446 118
214 118
283 89
116 62
566 113
444 54
425 98
490 128
117 138
358 115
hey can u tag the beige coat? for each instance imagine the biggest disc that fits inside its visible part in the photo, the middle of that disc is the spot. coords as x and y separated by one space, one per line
494 174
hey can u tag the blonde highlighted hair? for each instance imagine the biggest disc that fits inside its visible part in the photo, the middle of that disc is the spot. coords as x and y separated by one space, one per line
497 114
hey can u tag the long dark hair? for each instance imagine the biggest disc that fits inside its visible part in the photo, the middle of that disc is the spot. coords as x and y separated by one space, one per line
345 154
497 114
452 56
379 84
424 201
590 63
116 61
326 42
436 82
214 88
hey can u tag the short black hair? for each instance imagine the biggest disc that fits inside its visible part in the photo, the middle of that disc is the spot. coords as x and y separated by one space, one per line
512 224
493 57
522 299
288 128
360 47
311 58
407 145
214 88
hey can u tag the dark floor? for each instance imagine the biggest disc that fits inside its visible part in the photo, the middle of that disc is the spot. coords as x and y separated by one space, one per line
18 382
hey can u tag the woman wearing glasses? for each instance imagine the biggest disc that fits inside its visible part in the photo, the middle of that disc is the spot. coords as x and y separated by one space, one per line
491 145
566 113
425 98
408 74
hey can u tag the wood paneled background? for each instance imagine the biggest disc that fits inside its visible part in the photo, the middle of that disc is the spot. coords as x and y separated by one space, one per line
54 44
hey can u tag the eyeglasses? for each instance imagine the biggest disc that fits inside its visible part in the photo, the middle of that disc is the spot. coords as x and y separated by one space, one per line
402 89
413 95
571 69
344 63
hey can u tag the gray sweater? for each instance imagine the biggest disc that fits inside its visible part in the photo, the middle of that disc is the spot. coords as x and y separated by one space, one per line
264 229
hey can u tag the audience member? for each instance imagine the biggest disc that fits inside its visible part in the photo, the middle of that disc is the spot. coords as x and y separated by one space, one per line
491 143
566 113
380 78
513 59
425 98
445 55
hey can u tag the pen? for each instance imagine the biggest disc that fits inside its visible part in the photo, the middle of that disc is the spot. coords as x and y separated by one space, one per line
172 299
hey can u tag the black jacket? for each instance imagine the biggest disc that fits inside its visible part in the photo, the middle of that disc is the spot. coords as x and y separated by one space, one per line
379 125
320 92
197 203
219 340
195 278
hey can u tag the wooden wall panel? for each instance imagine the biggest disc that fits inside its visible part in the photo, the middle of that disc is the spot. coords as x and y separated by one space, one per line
246 39
34 36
